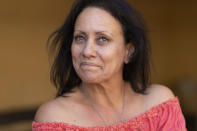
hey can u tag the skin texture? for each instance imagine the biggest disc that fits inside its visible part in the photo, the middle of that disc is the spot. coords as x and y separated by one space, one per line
98 48
98 54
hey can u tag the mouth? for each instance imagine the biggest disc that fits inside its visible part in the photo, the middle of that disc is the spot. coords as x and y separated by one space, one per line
88 64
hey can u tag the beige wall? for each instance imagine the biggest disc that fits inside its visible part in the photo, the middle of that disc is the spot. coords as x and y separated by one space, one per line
173 31
26 24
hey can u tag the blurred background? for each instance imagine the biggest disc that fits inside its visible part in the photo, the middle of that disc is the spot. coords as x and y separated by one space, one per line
24 64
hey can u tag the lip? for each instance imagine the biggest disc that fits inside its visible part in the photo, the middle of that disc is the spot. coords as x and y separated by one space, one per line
88 64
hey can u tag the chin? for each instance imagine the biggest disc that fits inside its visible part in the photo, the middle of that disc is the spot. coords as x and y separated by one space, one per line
90 80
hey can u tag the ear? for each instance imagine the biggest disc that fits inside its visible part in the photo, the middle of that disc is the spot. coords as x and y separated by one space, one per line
129 51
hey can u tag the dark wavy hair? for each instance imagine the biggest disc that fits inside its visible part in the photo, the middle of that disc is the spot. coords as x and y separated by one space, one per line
136 72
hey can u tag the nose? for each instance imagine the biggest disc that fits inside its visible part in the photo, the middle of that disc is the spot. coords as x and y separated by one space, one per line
89 49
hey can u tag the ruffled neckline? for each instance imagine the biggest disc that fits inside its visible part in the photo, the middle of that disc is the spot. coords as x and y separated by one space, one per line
134 122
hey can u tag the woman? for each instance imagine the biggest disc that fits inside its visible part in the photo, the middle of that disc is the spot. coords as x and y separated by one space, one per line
101 71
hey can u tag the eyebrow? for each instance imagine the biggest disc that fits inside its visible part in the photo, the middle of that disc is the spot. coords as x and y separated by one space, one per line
100 32
80 31
97 32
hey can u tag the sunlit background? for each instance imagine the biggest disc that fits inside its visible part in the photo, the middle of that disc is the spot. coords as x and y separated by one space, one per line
24 65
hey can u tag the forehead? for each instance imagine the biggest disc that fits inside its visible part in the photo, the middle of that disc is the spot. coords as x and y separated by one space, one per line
94 18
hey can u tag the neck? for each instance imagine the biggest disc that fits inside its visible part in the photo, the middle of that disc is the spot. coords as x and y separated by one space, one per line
105 94
108 101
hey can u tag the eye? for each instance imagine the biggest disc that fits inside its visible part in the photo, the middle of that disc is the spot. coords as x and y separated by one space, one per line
102 39
79 38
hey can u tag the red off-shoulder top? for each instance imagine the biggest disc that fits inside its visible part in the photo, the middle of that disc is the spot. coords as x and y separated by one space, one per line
163 117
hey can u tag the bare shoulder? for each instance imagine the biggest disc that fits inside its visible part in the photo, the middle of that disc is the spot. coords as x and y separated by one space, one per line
58 109
157 94
161 91
48 110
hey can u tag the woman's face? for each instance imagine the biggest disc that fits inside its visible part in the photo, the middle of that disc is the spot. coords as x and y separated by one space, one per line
98 48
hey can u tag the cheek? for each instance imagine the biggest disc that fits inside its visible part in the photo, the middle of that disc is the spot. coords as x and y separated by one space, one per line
113 57
75 50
